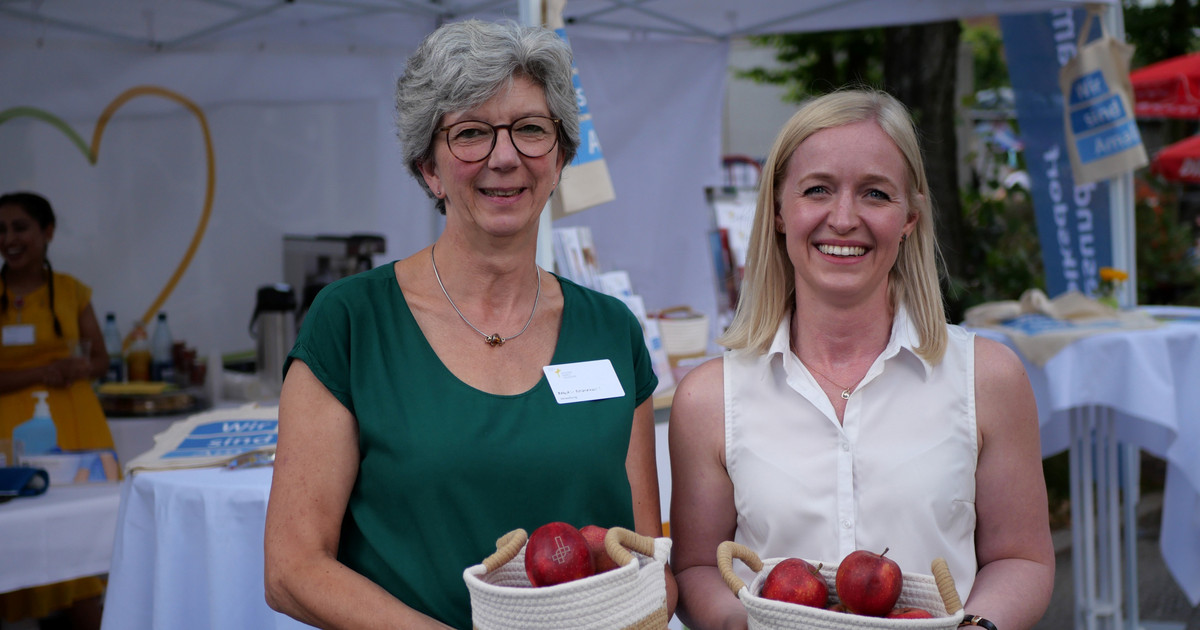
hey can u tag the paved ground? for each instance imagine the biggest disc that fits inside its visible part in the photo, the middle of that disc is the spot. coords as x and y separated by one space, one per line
1163 605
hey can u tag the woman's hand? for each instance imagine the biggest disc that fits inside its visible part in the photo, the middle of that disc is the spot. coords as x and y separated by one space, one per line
63 372
78 369
54 375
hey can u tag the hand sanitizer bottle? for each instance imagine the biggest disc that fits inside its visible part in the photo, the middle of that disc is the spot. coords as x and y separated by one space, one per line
37 435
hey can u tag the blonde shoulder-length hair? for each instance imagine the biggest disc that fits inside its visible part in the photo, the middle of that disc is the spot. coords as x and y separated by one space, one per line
768 287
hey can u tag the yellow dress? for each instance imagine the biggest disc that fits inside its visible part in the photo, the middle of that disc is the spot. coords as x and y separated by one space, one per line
76 411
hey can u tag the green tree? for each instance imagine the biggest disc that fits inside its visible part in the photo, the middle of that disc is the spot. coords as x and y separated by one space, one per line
812 64
989 69
919 70
1164 29
990 248
1160 31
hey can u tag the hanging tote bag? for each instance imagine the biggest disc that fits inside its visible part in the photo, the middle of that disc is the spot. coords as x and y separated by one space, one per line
632 596
1102 134
934 594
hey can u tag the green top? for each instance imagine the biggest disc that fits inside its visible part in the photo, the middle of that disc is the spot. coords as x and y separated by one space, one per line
447 469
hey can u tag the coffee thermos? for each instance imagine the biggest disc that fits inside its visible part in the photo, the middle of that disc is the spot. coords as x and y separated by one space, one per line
273 327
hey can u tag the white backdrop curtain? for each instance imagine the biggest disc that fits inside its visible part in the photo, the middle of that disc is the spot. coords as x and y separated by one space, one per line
305 144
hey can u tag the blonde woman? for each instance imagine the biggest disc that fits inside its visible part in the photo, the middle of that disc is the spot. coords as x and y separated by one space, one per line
847 414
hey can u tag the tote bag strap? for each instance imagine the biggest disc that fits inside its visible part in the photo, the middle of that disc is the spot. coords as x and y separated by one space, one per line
1093 13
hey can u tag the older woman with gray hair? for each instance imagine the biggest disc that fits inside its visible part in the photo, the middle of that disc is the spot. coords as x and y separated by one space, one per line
417 424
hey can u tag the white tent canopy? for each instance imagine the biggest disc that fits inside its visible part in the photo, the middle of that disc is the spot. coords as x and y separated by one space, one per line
298 96
367 22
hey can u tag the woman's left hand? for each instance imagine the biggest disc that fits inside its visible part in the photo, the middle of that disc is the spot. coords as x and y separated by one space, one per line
69 370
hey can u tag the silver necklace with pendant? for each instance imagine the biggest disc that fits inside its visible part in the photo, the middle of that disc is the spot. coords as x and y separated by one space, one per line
493 339
846 391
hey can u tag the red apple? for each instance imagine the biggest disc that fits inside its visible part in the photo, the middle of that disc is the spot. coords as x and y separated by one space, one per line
908 612
798 582
868 583
556 553
838 607
594 535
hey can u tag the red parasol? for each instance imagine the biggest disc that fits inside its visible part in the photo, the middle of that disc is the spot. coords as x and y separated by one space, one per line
1168 88
1179 161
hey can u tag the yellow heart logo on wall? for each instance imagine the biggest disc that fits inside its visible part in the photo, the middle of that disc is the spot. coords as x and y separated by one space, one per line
92 153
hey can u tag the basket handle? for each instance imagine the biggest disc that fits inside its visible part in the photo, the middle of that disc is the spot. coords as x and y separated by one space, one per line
618 541
506 549
675 309
729 550
945 584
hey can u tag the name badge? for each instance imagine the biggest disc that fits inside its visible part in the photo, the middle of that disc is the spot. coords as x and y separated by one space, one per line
583 381
18 335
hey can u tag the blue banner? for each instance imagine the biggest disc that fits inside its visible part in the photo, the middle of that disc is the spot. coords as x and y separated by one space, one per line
589 145
1072 221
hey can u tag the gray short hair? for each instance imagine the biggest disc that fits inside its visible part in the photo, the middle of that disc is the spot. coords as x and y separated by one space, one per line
463 64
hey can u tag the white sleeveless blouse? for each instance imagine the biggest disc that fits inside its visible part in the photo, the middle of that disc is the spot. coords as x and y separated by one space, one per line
899 474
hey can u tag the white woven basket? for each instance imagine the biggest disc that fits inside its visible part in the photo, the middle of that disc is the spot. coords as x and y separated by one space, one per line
632 596
936 595
684 331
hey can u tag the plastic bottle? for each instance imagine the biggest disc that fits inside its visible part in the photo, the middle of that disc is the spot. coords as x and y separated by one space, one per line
162 366
112 343
37 435
137 360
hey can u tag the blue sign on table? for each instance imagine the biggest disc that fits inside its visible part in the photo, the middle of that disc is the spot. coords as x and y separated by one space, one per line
226 437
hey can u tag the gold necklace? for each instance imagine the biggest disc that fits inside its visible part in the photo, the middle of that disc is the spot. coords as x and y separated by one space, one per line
493 339
846 391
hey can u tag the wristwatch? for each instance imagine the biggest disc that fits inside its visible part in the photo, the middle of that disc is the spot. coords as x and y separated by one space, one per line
976 620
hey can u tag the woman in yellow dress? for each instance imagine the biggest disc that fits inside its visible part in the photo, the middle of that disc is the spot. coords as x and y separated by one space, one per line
46 317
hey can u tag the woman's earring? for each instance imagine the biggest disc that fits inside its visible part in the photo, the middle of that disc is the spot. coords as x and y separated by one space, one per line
903 237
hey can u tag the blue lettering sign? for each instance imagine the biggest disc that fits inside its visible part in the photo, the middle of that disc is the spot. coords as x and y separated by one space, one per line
579 97
1109 142
1097 115
227 445
1087 87
235 426
589 147
226 437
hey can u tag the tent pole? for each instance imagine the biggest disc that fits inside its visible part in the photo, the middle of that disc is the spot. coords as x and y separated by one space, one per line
530 13
1120 194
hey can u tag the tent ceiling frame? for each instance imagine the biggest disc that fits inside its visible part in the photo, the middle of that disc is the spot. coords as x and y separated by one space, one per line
646 17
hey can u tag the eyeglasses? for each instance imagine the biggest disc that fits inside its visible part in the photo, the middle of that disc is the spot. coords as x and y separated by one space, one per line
474 140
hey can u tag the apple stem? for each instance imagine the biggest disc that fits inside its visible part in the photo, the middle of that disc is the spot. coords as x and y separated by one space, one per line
885 550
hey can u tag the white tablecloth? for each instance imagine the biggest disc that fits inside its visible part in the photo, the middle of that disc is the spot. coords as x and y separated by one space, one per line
189 552
1151 381
63 534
